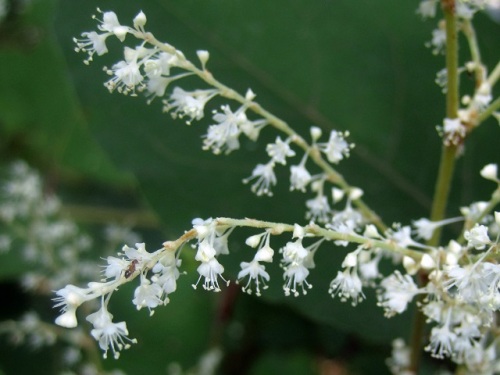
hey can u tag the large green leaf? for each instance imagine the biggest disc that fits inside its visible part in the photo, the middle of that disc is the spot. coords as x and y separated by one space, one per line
360 66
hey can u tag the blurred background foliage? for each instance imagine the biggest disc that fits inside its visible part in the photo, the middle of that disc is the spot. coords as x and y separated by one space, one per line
359 66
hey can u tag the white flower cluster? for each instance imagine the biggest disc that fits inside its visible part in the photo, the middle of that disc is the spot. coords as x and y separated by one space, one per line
460 296
158 273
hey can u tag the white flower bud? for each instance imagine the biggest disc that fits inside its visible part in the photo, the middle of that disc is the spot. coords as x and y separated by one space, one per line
451 259
454 247
371 231
140 20
203 56
351 260
68 319
315 133
337 194
120 32
410 265
250 95
490 172
427 262
298 231
253 241
355 193
264 254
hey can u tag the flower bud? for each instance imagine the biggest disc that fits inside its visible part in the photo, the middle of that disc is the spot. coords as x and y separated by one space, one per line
140 20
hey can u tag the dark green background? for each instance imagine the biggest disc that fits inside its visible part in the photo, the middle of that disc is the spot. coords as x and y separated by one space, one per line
359 66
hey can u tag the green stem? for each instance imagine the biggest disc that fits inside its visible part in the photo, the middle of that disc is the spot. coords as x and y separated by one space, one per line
446 167
492 108
470 34
494 75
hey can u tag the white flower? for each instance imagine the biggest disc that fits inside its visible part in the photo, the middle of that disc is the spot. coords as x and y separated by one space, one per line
347 284
397 291
94 42
482 97
166 274
205 252
110 24
425 228
472 281
318 209
295 275
265 252
140 21
115 267
442 339
265 178
126 73
109 335
464 10
400 357
336 148
477 237
157 70
256 273
296 261
299 177
279 151
70 298
224 135
294 252
427 8
438 40
147 295
138 253
369 268
188 104
210 271
490 172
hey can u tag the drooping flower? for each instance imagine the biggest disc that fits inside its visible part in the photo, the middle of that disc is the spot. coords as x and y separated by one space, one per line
148 295
265 179
280 150
442 339
256 273
477 237
318 209
337 147
347 285
210 271
396 292
190 104
299 176
111 336
69 299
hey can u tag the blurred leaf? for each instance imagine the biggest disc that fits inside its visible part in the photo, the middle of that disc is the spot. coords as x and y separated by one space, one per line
40 116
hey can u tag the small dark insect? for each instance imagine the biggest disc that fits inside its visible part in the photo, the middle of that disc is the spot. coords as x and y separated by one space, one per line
131 268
